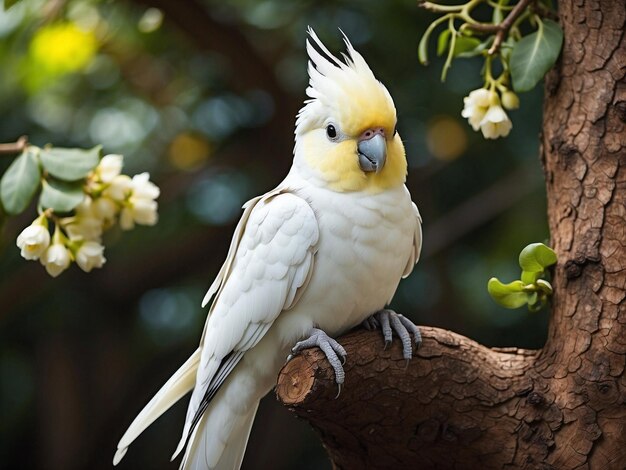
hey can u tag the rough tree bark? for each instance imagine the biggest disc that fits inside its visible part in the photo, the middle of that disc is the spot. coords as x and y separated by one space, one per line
461 405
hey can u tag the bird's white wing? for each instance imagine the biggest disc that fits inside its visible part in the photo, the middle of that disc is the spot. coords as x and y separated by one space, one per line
234 243
417 243
269 264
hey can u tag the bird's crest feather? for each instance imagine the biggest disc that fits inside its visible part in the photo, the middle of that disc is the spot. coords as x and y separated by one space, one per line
346 91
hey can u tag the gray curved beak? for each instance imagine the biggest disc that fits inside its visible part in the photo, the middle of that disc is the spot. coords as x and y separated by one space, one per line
372 153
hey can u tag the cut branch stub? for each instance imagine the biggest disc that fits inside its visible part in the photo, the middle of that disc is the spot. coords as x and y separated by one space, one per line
297 380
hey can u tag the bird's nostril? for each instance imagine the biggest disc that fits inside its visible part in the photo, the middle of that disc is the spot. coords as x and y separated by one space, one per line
369 133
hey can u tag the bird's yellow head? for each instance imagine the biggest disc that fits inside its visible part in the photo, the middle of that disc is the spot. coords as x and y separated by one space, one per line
346 134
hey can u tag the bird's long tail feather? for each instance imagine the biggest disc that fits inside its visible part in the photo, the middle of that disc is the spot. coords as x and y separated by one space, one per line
220 438
174 389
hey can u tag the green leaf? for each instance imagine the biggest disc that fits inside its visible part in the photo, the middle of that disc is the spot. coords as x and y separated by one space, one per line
61 196
545 286
533 299
536 257
70 164
19 183
442 41
422 49
510 295
529 277
535 54
9 3
535 307
466 46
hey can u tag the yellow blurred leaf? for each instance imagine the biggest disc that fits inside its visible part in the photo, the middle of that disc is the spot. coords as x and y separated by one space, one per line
61 48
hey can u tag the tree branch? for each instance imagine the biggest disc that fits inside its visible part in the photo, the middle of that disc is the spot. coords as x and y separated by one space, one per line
14 147
501 29
390 415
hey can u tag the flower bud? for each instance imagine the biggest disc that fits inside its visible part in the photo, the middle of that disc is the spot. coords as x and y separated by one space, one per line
510 100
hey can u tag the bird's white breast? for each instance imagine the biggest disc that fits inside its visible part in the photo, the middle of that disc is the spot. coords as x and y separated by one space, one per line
365 242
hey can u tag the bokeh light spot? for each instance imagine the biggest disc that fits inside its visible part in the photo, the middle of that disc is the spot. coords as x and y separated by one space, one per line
150 21
217 199
189 150
168 314
446 138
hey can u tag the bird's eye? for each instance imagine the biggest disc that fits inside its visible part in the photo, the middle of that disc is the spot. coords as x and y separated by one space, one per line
331 132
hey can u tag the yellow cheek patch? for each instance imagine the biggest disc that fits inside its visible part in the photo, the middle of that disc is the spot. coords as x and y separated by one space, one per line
338 165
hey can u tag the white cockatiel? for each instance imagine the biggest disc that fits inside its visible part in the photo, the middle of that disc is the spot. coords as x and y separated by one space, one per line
321 253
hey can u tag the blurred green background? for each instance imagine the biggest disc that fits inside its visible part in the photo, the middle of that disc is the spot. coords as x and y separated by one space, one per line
203 95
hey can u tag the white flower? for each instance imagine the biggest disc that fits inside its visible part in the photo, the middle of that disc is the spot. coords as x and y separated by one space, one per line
127 221
475 106
141 211
89 256
83 227
119 189
483 111
105 208
86 224
143 188
34 239
141 207
496 123
109 167
56 259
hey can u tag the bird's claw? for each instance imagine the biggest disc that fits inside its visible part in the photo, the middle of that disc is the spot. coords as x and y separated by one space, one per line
331 349
390 322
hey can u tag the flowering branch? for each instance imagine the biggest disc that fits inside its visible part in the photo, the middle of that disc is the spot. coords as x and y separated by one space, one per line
82 195
14 147
521 61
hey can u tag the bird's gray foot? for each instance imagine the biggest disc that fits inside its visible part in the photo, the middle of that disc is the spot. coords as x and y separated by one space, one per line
390 322
331 348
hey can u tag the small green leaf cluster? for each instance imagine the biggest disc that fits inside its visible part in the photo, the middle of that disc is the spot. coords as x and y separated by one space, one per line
523 59
531 289
59 172
81 194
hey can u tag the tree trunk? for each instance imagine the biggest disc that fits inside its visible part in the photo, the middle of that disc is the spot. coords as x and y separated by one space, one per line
461 405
